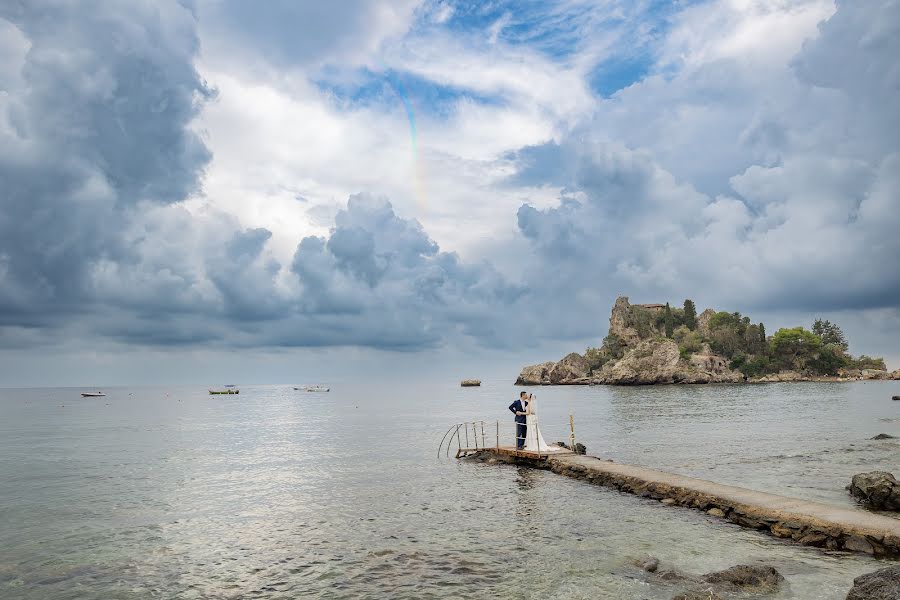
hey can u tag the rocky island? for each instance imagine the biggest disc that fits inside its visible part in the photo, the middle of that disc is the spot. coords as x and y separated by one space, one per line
656 344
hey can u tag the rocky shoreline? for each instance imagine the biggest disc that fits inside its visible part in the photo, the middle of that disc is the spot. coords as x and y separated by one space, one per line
640 353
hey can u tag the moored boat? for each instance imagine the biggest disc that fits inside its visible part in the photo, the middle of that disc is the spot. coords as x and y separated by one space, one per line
92 394
316 388
228 391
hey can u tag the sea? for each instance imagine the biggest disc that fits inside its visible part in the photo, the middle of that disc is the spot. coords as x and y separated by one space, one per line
173 493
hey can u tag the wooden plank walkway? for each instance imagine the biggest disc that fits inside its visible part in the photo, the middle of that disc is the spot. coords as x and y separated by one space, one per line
804 521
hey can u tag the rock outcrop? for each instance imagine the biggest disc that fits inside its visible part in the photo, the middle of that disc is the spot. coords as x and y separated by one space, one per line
536 374
883 584
659 361
876 489
470 382
883 436
572 367
620 322
649 362
703 321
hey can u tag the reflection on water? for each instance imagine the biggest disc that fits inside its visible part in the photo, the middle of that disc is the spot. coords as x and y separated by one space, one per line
279 494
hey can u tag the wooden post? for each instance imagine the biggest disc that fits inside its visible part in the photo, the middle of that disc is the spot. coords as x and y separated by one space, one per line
572 430
498 433
483 445
466 429
475 434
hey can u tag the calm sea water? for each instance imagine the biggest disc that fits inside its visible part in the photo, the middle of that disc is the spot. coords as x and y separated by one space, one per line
274 493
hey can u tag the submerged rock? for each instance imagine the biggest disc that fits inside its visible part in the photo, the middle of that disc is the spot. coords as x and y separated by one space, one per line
883 584
698 595
895 397
876 489
646 563
747 577
883 436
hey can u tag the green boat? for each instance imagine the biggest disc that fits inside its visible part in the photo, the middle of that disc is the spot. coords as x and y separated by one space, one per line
228 391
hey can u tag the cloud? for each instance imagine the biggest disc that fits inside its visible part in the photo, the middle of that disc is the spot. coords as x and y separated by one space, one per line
304 34
806 230
753 166
87 138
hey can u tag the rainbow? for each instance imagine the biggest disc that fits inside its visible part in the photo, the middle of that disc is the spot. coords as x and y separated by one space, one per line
418 178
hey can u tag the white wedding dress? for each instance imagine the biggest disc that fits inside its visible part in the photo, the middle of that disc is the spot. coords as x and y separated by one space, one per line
534 441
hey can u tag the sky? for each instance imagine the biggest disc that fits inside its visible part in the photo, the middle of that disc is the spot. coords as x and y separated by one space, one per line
197 191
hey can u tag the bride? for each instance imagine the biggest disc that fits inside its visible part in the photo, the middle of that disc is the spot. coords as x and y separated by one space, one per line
534 441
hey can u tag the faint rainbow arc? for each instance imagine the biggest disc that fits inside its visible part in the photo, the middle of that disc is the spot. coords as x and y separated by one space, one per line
418 178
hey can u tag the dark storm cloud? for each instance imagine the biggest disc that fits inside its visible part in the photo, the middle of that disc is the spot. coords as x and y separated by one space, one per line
95 124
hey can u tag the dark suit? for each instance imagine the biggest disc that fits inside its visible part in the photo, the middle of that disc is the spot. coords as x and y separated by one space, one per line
521 428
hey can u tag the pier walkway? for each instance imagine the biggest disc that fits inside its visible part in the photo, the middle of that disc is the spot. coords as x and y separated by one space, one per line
803 521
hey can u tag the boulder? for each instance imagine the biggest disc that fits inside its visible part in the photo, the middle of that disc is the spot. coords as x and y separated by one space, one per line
698 595
895 397
876 489
883 436
895 375
572 366
646 563
876 374
780 377
752 578
883 584
579 447
536 374
470 382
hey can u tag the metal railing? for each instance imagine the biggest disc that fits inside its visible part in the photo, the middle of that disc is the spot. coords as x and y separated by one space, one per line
475 436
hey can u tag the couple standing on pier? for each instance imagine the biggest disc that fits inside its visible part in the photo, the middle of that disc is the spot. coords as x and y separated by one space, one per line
528 434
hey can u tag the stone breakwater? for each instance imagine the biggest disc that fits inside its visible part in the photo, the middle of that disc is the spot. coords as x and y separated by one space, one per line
805 522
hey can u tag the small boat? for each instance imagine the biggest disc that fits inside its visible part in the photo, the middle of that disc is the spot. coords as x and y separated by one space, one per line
229 391
92 394
316 388
229 385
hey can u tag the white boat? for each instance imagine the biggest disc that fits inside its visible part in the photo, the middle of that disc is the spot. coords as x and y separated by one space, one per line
92 394
316 388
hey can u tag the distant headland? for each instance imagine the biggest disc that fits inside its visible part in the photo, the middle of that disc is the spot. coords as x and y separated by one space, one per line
657 344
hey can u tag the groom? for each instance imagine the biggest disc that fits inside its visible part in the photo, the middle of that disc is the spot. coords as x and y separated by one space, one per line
519 408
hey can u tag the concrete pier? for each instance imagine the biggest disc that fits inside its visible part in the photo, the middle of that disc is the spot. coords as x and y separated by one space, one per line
803 521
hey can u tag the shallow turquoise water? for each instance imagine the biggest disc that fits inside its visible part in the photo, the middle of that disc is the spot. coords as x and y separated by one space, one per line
172 493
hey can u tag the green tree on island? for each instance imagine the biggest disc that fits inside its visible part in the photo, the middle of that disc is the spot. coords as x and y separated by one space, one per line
795 347
690 314
670 321
830 333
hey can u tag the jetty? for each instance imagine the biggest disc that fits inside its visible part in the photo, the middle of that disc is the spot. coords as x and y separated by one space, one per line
803 521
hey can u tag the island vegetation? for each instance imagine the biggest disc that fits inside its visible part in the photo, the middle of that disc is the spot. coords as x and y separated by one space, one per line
658 343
